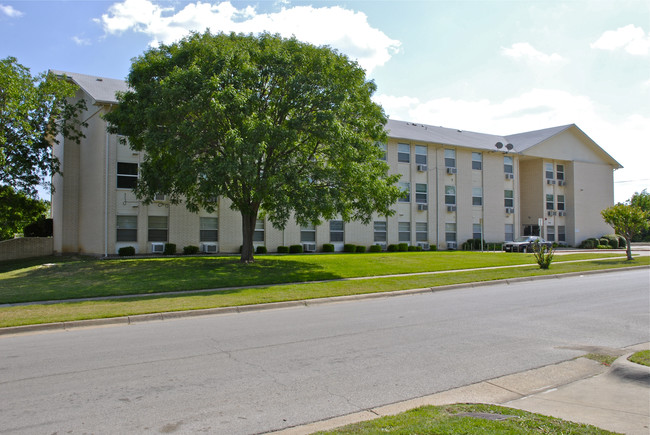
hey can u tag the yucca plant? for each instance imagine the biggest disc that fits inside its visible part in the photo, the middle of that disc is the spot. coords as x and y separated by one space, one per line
543 254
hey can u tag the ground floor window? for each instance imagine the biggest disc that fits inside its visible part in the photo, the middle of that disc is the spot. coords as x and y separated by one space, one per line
421 232
158 228
531 230
561 233
258 235
476 231
550 233
209 229
337 233
308 234
127 228
510 232
380 231
404 231
450 232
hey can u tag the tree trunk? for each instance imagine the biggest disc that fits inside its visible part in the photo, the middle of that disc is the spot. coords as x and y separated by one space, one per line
248 229
628 248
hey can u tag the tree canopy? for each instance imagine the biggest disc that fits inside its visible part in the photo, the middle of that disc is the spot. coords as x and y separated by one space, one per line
18 210
34 111
277 126
627 220
642 201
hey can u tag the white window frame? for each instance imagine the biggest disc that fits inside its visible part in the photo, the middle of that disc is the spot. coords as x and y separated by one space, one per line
308 234
450 195
420 155
508 164
155 228
403 153
477 161
126 176
477 196
450 232
259 233
421 194
450 158
126 228
405 187
380 231
337 231
421 232
404 232
208 229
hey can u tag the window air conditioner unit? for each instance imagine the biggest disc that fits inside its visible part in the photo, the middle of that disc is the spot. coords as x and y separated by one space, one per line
157 247
451 208
309 247
451 170
550 213
561 213
510 176
549 181
451 245
422 168
510 210
423 207
423 245
159 197
561 183
209 248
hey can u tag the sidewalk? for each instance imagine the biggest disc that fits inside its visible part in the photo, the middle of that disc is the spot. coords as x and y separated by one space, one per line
615 398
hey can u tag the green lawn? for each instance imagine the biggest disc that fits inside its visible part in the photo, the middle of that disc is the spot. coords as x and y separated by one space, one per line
454 419
55 278
38 313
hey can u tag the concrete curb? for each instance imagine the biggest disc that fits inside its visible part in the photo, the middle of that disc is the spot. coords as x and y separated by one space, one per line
629 371
141 318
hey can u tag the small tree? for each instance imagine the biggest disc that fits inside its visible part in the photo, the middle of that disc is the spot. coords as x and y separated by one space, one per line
627 221
543 254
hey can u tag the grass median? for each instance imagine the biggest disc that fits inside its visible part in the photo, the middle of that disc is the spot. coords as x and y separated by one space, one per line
40 313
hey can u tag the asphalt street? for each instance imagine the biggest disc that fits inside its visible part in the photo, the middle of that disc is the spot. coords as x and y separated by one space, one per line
261 371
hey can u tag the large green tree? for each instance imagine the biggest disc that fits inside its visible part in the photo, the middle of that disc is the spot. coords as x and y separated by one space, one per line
277 126
34 112
627 220
17 210
642 201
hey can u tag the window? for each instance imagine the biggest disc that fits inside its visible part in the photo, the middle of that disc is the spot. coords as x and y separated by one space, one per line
127 175
508 198
550 233
380 231
559 173
406 190
157 228
420 155
476 231
477 161
421 232
477 196
336 231
404 231
510 232
127 228
549 170
258 235
560 202
450 195
508 164
450 232
403 153
384 149
549 202
450 158
209 229
308 234
561 233
421 193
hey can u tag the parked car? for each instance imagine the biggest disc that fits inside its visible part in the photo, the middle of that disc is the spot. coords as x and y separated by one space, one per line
525 244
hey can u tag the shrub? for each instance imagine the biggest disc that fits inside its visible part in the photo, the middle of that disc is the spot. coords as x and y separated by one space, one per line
190 250
412 248
590 243
472 244
374 248
41 228
328 247
433 247
295 249
126 251
543 255
283 249
603 241
621 242
392 248
403 247
260 250
603 247
170 249
348 247
360 249
612 240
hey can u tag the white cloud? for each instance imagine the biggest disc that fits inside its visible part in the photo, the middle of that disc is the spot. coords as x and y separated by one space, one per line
80 41
523 50
10 11
346 30
632 39
625 140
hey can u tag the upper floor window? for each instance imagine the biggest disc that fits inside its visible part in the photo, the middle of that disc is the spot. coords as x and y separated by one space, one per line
127 228
477 196
508 164
403 153
336 231
209 227
508 198
550 201
127 175
384 150
559 173
308 234
450 195
157 228
560 202
450 158
258 235
406 191
420 155
477 161
549 170
380 230
420 193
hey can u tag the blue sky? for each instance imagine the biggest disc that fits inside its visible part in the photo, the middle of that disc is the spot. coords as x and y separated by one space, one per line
498 67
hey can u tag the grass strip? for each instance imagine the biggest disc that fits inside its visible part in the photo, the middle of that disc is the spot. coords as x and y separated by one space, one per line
467 419
57 278
34 314
642 357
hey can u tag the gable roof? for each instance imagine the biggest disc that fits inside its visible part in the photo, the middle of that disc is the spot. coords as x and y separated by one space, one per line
100 89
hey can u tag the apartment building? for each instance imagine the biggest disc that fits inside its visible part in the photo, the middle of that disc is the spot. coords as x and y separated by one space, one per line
457 185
